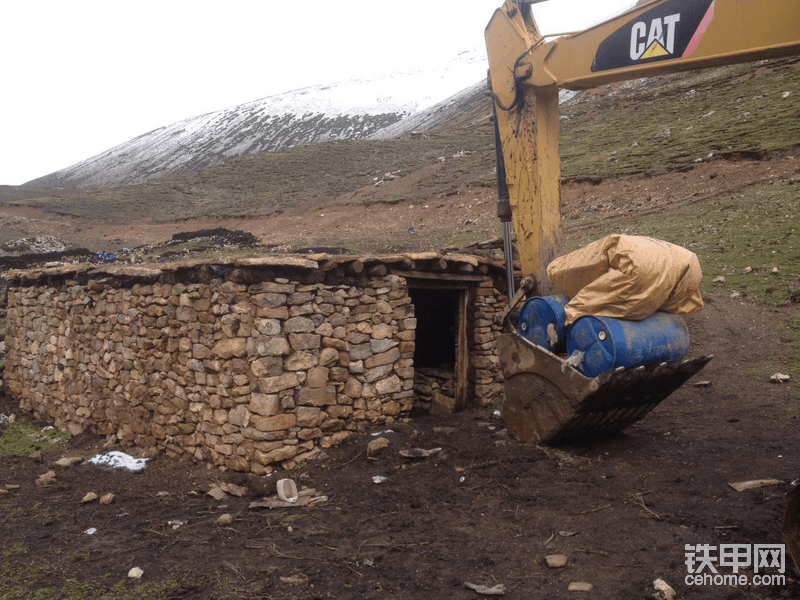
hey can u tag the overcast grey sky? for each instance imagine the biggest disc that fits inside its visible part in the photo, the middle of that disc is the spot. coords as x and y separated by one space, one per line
81 76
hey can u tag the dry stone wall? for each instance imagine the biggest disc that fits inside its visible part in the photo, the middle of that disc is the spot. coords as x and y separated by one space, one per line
489 304
248 365
242 375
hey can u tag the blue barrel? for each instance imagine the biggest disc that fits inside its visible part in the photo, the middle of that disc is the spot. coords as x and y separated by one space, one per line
535 316
611 343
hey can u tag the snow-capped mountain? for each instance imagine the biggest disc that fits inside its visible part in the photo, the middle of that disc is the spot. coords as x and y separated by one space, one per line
343 111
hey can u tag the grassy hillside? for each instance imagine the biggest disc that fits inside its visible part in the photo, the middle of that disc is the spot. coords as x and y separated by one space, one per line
667 123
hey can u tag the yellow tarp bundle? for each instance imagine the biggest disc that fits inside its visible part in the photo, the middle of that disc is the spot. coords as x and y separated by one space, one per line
628 277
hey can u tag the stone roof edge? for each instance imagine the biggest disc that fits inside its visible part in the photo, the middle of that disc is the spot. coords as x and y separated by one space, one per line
311 261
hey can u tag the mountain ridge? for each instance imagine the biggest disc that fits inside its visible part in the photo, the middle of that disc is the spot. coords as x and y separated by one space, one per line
348 110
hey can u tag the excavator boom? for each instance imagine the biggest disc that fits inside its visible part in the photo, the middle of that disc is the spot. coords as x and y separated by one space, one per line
663 36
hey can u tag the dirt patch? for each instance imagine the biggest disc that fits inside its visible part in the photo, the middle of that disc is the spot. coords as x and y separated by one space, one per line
485 509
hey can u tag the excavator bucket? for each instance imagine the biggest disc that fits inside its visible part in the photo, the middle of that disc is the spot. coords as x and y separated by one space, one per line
549 402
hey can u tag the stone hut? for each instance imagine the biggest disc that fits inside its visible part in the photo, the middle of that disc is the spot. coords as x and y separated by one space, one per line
253 362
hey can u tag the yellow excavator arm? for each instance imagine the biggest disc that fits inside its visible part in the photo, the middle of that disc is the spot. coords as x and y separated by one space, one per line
526 72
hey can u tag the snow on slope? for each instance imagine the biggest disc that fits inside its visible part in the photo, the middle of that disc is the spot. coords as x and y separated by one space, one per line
349 110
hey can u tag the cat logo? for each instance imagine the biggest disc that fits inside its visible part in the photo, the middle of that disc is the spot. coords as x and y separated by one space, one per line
668 31
659 40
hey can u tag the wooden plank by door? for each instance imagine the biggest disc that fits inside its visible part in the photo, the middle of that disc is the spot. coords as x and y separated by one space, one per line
462 351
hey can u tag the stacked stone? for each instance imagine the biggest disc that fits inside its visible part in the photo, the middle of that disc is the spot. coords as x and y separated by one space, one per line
484 359
428 380
244 376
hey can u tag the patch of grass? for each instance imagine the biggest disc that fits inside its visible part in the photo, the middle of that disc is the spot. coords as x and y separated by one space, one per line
14 550
35 578
22 437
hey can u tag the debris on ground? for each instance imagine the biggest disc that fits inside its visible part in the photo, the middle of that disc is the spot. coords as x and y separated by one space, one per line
119 460
753 484
419 452
305 497
287 490
497 590
779 378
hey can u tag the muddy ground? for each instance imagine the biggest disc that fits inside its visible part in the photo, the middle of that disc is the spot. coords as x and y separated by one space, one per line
485 509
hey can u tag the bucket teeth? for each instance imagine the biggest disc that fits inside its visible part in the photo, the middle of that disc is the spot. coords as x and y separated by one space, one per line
544 404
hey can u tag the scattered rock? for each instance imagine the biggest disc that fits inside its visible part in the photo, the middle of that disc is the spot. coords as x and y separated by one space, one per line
497 590
719 279
419 452
233 489
294 579
217 493
748 269
35 245
11 486
375 447
442 405
556 561
48 478
90 497
580 586
107 498
135 573
779 378
742 486
224 520
3 493
663 590
68 461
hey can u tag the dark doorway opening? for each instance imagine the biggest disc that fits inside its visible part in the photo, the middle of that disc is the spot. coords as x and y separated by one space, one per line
436 312
441 352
